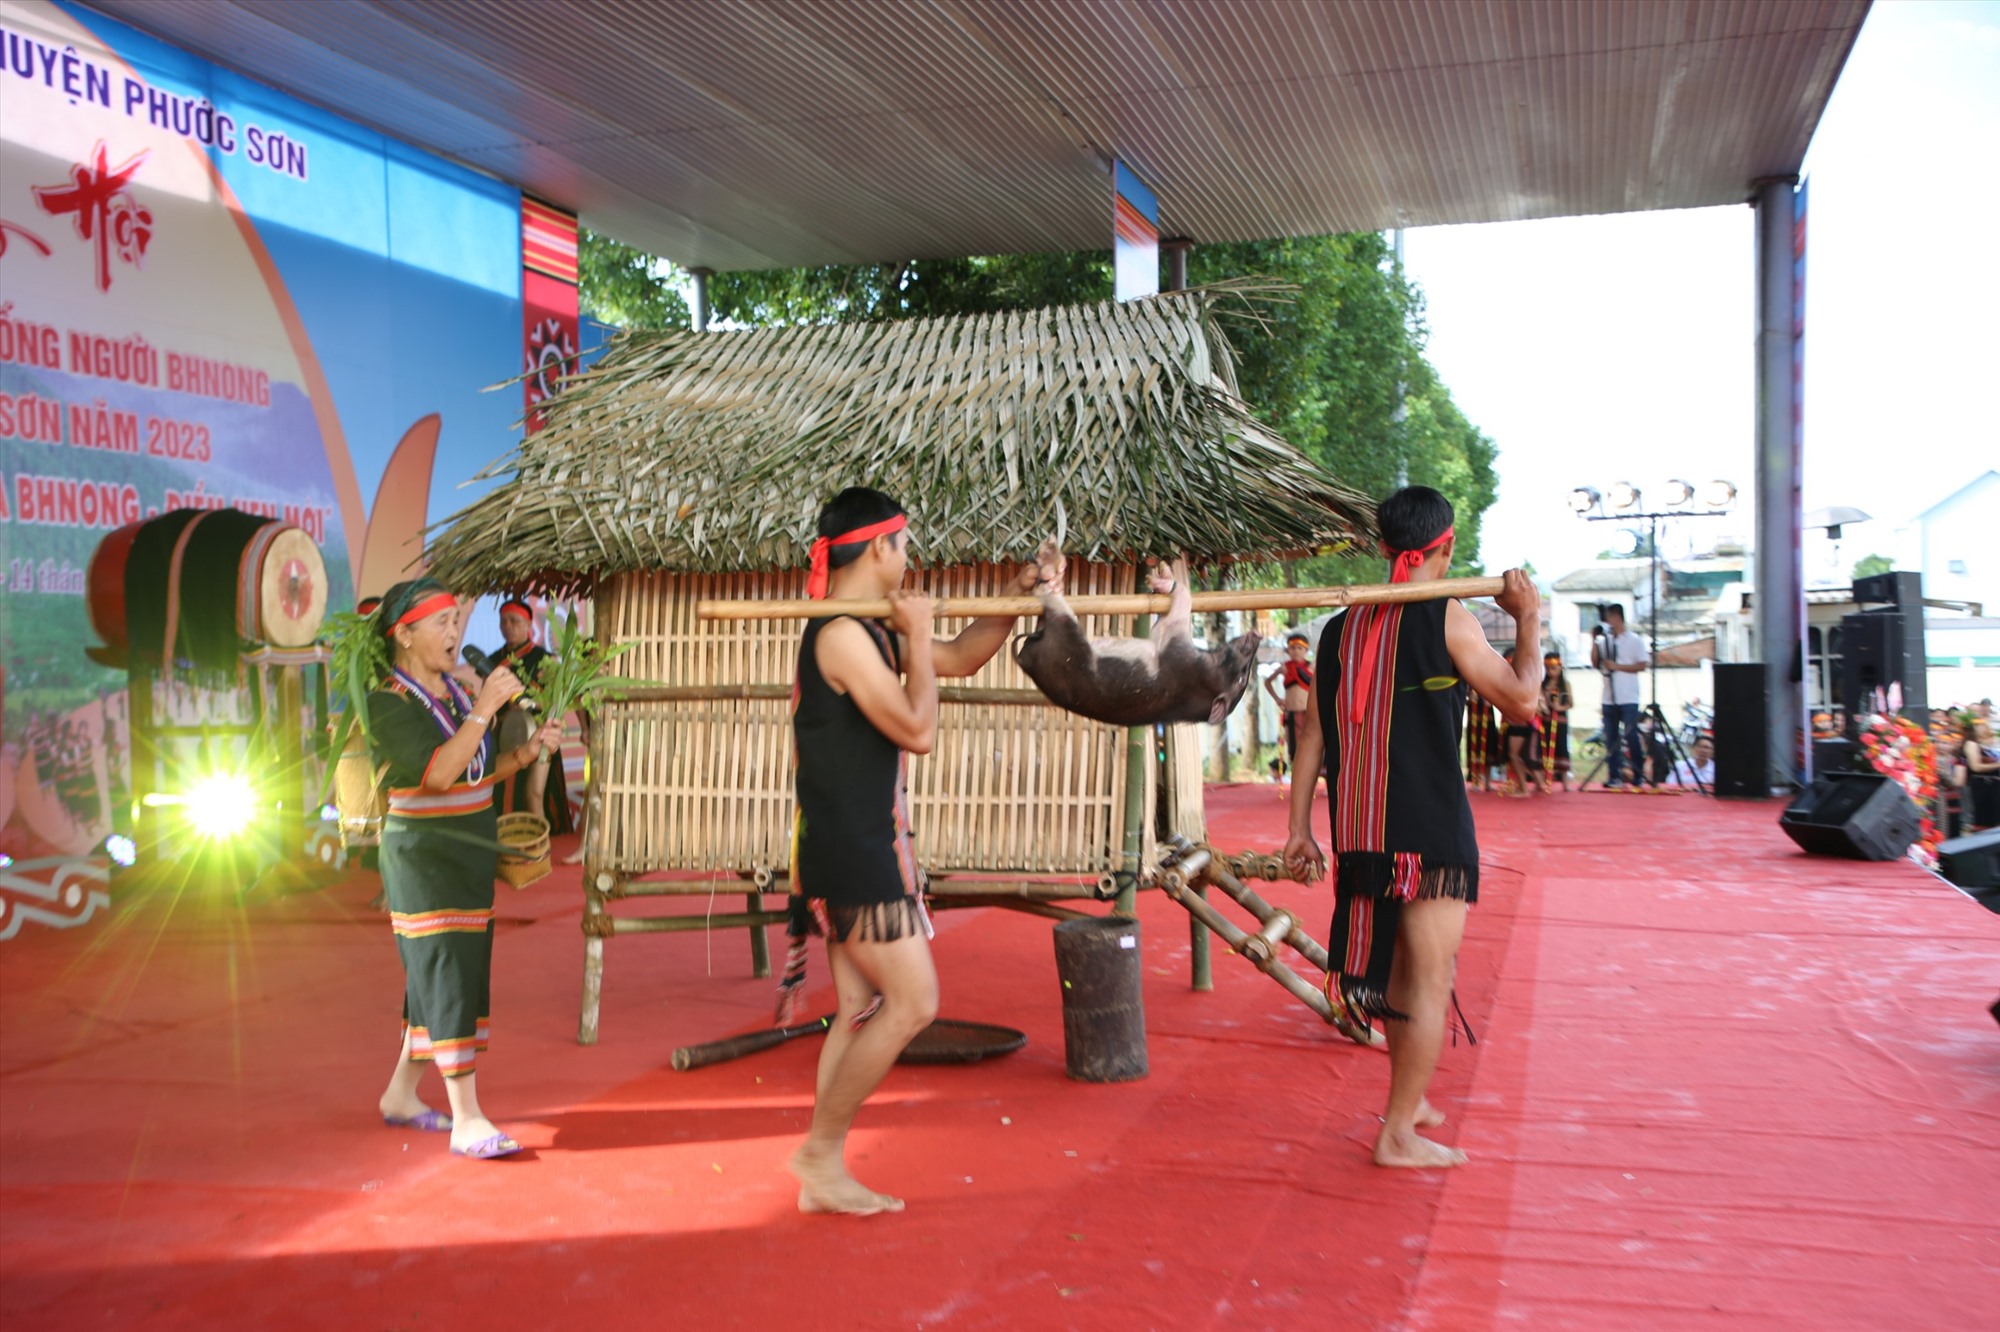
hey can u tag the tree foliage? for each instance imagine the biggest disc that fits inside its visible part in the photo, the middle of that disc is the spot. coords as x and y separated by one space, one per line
1870 565
1328 367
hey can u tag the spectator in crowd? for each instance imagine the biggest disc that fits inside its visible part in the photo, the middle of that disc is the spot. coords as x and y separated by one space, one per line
1981 755
1524 755
1698 768
1297 673
1556 703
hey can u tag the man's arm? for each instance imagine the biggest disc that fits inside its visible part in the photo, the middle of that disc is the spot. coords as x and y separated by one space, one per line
904 710
1516 689
977 643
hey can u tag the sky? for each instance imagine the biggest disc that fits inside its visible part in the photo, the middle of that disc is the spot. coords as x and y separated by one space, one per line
1620 348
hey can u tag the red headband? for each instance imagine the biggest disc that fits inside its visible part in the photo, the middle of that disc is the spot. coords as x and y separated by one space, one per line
1404 562
520 606
822 549
430 605
1401 565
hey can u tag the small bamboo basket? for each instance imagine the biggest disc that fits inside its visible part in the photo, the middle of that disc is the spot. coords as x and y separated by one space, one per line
526 839
358 795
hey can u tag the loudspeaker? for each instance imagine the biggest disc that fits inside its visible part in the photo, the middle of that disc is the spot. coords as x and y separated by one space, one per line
1972 861
1901 589
1742 730
1878 649
1860 815
1834 754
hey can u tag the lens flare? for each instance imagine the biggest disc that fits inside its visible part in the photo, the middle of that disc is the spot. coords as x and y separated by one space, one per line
221 806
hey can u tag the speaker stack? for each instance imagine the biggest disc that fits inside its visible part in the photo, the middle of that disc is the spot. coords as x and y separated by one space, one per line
1742 730
1884 646
1973 863
1859 815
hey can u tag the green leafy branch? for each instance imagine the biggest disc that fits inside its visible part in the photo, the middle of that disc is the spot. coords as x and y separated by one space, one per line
579 674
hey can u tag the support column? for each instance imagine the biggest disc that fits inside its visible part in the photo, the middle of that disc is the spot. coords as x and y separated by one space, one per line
1779 575
1176 248
700 307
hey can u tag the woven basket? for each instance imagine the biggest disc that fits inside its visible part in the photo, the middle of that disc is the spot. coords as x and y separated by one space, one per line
358 795
526 859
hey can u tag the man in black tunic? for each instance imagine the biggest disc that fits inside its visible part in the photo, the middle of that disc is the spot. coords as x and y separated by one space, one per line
1385 711
854 865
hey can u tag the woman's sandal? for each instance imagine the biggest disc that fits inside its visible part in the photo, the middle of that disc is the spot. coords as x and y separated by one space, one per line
488 1149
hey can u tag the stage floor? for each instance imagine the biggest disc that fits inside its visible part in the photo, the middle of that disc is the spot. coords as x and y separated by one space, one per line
1718 1084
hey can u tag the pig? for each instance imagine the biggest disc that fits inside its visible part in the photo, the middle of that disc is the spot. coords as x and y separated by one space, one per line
1132 681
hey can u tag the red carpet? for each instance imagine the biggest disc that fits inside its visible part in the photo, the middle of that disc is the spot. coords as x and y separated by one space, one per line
1718 1084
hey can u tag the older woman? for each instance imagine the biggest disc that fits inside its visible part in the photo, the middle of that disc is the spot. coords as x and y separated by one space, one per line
438 855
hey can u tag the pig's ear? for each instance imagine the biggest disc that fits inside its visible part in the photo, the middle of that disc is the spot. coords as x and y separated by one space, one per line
1218 710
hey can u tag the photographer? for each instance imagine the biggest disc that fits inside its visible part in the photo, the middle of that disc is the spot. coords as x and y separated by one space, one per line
1621 655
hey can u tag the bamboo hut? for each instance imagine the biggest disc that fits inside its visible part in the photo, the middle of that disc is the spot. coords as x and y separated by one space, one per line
686 466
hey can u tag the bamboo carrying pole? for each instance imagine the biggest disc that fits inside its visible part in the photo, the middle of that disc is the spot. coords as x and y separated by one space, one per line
1130 603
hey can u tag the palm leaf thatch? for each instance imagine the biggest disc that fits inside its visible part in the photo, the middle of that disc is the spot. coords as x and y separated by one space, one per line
1114 427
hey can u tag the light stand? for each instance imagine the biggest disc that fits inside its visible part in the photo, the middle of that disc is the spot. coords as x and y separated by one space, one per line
1624 504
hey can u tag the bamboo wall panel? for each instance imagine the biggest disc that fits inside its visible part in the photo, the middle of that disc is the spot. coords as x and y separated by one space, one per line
707 784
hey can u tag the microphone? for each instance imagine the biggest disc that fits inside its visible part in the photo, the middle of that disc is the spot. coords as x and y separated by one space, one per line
485 665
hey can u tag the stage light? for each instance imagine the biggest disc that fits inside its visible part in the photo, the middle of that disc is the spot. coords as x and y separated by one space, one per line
1678 494
221 805
1622 495
1582 500
1718 494
121 850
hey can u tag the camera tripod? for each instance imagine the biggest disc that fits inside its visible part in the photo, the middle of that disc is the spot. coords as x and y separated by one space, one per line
1663 738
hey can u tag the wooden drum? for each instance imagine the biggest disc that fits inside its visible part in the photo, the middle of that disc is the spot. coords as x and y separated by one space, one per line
196 585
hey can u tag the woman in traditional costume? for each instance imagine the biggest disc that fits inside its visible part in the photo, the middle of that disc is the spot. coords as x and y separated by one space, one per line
439 849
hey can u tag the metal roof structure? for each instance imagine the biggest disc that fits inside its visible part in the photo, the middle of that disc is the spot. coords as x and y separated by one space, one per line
745 134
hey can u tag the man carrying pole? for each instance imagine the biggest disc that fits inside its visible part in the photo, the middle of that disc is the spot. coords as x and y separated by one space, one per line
864 698
1385 713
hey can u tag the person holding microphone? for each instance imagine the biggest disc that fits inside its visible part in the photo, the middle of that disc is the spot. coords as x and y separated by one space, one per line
439 853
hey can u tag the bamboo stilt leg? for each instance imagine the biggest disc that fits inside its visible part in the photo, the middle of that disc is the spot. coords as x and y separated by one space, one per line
595 923
1204 970
760 948
593 989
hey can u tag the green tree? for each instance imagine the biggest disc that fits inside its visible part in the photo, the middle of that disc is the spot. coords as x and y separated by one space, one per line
1870 565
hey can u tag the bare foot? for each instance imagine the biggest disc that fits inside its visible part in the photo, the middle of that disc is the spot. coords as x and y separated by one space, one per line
1412 1152
574 858
407 1109
1428 1115
825 1186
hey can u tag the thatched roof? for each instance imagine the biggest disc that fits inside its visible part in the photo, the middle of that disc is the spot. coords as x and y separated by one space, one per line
1115 426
